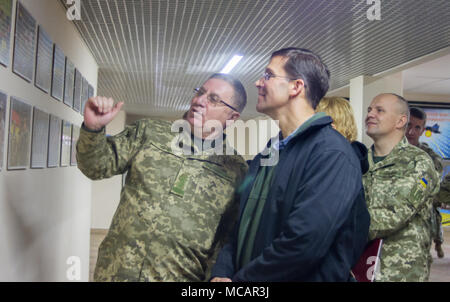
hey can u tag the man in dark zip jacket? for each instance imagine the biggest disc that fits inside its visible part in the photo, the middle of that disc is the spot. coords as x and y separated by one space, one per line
303 215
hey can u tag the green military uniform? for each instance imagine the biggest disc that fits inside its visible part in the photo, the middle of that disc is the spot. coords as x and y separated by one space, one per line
174 210
399 192
444 192
436 218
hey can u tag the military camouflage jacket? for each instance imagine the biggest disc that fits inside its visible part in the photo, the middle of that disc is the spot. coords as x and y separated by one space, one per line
445 185
444 192
399 192
174 209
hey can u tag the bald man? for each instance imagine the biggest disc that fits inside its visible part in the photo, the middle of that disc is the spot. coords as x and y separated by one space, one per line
399 187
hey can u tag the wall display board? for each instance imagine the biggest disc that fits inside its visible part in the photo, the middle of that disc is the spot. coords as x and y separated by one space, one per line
66 139
84 95
3 99
73 153
59 63
54 141
5 30
19 135
24 42
77 91
43 61
39 141
437 131
69 81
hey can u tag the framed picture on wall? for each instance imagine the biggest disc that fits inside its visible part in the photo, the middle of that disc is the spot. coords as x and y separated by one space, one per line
24 43
84 95
59 63
5 29
54 141
43 61
66 139
19 135
69 81
3 99
39 139
77 91
73 152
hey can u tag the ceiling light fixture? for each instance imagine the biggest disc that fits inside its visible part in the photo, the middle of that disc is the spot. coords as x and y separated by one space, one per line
231 64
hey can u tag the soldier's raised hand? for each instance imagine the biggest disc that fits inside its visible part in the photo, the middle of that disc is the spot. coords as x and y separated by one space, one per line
99 111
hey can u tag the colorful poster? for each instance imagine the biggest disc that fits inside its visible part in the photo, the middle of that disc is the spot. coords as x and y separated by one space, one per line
73 153
437 131
19 135
69 81
5 30
66 139
59 61
54 142
3 98
24 38
39 141
44 61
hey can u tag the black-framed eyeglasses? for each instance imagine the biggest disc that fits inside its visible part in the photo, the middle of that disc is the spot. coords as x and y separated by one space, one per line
212 98
266 76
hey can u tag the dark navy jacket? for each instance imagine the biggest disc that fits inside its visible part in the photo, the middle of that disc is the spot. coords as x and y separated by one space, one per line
315 222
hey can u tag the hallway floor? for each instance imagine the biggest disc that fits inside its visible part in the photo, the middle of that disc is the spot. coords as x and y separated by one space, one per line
440 269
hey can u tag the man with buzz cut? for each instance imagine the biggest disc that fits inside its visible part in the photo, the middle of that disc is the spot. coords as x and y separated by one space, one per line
399 188
302 218
176 207
416 127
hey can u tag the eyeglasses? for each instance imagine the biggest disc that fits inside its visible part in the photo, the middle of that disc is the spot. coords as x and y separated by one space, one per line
266 76
213 99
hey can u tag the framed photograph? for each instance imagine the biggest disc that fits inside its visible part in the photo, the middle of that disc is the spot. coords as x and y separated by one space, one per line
69 82
39 141
437 127
43 61
66 139
73 153
24 43
5 30
84 95
59 62
77 91
3 99
19 135
54 141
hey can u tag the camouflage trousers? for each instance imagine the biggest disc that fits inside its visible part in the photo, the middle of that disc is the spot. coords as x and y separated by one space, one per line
436 226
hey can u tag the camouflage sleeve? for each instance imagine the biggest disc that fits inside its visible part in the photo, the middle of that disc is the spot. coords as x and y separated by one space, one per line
99 156
398 204
444 193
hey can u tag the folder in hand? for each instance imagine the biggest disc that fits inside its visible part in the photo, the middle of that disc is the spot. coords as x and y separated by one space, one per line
369 262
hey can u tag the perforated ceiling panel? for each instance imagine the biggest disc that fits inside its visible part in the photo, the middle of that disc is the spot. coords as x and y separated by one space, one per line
151 54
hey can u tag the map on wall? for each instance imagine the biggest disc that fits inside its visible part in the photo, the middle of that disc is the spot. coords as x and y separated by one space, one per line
5 30
54 140
44 61
19 135
437 131
3 98
24 43
39 141
59 61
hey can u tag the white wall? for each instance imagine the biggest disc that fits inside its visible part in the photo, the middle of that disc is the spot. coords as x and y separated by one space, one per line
45 213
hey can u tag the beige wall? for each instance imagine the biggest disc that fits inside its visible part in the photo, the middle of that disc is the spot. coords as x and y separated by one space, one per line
45 213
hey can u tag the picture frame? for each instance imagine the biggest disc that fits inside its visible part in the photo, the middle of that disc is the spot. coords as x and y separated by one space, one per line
6 7
3 108
19 138
44 53
59 63
54 141
66 140
39 140
73 152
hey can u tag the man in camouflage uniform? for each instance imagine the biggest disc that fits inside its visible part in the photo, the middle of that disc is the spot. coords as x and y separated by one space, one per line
416 128
399 187
178 202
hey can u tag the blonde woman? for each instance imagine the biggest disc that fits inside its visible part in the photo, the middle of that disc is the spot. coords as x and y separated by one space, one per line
344 122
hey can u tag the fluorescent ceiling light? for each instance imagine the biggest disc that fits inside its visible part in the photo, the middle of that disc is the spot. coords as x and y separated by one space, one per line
231 64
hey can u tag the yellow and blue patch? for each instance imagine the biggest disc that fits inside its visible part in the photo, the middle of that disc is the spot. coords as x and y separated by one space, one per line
424 182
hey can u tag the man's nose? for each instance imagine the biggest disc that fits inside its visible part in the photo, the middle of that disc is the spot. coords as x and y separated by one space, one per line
200 100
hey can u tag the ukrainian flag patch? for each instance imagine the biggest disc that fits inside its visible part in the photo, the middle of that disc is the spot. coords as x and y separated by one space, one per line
424 182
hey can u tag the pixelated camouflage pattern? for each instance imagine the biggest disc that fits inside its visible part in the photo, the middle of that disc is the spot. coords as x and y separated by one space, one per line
400 209
436 218
444 192
175 210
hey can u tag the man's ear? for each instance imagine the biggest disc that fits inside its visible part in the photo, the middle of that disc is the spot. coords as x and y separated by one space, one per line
235 115
297 87
402 122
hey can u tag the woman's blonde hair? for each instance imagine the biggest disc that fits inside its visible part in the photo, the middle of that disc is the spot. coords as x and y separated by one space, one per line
342 114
